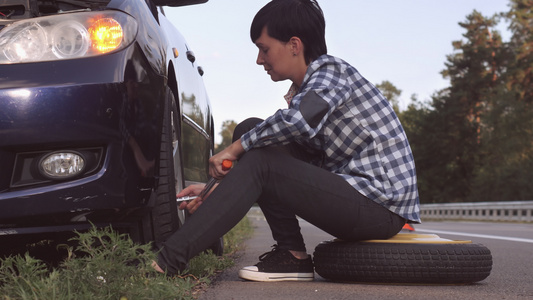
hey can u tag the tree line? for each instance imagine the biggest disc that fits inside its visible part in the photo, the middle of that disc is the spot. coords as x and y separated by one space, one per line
473 140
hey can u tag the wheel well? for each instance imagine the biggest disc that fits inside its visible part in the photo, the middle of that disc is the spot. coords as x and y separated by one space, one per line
172 83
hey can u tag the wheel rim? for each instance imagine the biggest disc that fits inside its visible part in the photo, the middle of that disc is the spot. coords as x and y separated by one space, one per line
178 181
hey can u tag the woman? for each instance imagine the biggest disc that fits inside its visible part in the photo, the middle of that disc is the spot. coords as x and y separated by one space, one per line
336 157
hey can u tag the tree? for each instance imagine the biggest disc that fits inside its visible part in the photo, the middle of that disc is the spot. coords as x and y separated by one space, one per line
446 136
521 26
474 140
392 94
415 121
507 151
507 138
226 133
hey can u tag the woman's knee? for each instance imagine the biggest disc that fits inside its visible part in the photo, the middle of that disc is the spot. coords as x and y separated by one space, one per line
259 155
245 126
262 161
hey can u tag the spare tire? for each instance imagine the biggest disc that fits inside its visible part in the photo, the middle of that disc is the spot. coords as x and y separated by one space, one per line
406 258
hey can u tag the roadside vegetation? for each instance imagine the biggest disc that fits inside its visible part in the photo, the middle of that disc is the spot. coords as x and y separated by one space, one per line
107 265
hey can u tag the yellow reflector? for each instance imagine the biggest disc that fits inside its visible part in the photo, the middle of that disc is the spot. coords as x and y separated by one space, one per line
106 35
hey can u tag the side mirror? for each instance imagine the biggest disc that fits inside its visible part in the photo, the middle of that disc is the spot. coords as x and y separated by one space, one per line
176 3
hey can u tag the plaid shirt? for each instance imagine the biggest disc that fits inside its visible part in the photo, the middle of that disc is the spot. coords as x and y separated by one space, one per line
355 130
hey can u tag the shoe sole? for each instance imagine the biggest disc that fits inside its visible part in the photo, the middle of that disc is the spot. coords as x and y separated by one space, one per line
271 277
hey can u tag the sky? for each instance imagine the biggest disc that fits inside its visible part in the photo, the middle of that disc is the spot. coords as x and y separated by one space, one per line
405 42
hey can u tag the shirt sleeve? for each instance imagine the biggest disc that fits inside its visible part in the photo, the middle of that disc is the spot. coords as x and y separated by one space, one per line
324 91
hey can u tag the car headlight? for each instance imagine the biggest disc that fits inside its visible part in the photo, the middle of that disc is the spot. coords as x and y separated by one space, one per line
66 36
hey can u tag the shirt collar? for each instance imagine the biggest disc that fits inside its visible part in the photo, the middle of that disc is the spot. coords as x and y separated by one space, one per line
293 90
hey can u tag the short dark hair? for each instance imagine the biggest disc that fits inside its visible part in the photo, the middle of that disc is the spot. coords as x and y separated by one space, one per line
285 19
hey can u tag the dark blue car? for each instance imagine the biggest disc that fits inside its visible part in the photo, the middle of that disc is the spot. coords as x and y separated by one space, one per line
103 117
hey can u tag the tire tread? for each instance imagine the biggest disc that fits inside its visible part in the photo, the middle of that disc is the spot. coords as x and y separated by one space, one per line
402 263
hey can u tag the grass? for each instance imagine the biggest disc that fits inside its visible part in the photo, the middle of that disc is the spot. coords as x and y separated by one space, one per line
107 265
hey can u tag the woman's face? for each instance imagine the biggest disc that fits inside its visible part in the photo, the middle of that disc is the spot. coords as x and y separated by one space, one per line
275 56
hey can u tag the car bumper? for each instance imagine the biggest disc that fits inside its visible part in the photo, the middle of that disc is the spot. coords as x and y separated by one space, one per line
99 115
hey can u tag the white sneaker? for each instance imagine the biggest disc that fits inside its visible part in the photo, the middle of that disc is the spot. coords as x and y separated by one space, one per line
279 265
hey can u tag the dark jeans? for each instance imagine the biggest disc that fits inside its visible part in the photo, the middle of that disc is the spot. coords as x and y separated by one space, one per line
284 186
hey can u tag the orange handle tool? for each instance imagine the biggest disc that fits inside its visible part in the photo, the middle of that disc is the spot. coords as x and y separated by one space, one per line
227 164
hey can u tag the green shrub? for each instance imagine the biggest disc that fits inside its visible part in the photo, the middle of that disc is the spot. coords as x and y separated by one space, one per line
107 265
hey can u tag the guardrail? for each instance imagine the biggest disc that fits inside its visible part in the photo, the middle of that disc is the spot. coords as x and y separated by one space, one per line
513 211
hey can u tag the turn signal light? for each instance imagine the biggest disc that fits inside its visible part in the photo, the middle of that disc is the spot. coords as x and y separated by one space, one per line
106 35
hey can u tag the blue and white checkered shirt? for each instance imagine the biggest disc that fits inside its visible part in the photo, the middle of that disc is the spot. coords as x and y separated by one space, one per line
341 115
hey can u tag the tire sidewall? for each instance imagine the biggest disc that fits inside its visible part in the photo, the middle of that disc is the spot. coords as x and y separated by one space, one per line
423 263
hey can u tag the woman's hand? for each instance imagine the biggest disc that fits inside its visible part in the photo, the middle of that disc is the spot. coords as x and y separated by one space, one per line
192 190
231 153
217 169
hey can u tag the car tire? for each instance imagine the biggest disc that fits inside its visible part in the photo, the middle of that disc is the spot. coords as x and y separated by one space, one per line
163 217
217 247
439 262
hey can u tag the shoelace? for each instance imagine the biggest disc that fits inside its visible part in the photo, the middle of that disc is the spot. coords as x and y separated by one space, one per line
266 255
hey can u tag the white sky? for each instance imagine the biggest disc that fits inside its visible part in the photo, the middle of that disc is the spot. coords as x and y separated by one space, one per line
404 42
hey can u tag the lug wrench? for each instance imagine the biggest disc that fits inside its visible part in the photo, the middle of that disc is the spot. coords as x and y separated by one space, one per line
226 165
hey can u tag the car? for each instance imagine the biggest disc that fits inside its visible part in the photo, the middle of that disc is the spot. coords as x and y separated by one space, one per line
104 117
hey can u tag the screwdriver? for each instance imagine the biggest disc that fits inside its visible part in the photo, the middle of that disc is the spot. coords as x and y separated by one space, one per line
226 165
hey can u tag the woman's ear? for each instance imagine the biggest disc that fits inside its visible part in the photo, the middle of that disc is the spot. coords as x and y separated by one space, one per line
296 45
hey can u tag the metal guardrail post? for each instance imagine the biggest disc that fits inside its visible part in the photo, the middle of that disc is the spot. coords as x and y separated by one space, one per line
511 211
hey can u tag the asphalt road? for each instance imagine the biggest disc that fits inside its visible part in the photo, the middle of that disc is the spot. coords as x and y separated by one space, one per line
511 277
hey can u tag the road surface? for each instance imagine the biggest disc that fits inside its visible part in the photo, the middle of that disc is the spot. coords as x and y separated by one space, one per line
511 246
